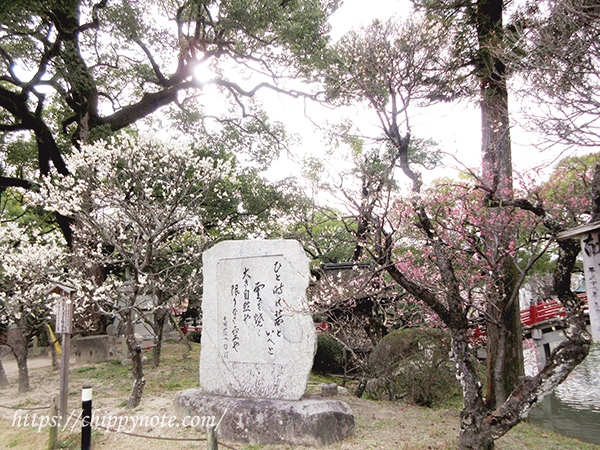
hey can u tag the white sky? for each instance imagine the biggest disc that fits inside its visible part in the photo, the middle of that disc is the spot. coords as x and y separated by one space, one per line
456 127
356 13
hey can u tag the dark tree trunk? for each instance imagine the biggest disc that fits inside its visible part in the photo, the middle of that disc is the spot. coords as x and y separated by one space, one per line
160 317
17 342
135 353
505 345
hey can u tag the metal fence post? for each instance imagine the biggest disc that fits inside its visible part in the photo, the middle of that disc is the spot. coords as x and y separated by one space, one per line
86 418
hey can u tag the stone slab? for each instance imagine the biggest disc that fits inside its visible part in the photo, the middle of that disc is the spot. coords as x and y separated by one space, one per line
93 349
258 336
329 390
314 421
590 251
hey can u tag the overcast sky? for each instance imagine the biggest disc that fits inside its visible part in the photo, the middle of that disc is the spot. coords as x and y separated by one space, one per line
456 127
356 13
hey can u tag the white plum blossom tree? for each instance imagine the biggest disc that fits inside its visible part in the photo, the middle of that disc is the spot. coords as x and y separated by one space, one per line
139 210
32 262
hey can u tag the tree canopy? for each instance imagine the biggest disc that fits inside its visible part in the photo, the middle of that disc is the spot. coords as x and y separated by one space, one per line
72 71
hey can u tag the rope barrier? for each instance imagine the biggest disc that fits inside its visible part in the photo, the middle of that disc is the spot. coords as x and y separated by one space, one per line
23 408
159 438
148 437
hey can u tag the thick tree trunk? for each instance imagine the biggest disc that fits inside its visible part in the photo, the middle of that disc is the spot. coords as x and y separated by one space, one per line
3 378
135 353
474 410
160 317
505 347
17 342
504 363
505 341
471 436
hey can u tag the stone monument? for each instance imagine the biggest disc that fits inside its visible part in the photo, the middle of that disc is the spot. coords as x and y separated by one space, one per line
258 345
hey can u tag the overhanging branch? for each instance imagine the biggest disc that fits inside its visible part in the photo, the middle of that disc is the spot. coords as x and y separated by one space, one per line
14 182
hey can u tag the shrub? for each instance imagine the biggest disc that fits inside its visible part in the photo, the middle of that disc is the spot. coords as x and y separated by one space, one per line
413 363
330 355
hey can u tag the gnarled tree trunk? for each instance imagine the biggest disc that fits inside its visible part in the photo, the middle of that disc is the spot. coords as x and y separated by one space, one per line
3 378
17 342
135 353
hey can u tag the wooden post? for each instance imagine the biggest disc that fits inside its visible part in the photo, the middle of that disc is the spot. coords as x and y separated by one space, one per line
64 377
211 438
64 321
53 416
345 363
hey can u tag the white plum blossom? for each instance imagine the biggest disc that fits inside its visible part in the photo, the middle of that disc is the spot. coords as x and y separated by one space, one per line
31 263
29 266
139 208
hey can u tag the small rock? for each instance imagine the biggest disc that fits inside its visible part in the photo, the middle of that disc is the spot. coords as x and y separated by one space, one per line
329 390
343 391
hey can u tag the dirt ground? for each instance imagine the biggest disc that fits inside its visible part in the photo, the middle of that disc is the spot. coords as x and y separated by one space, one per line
379 425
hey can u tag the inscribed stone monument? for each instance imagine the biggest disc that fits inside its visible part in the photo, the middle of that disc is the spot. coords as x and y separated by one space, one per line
257 349
258 337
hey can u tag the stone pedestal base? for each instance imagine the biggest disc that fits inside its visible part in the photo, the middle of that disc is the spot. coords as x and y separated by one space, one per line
312 421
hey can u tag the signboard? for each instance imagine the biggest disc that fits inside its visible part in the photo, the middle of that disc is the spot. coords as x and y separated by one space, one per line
590 246
64 315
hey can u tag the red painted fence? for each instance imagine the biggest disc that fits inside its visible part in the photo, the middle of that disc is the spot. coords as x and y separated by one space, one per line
536 313
540 312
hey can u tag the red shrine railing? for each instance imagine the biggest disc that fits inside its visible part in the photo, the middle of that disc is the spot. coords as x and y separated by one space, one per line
536 313
540 312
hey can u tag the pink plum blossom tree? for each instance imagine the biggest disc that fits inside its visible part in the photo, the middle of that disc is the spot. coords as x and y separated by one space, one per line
433 246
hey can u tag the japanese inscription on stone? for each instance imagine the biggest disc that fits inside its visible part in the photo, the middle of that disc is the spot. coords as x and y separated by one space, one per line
251 307
258 336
